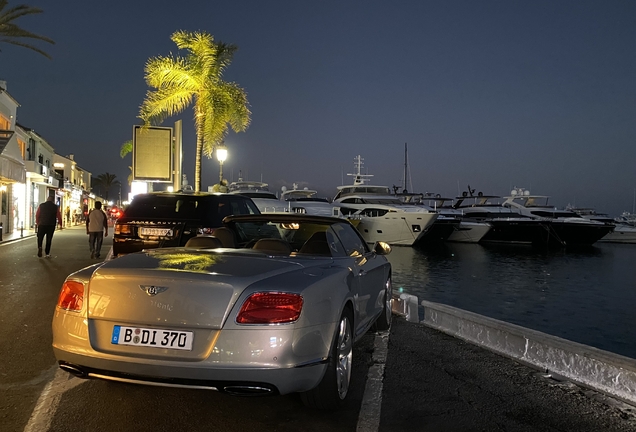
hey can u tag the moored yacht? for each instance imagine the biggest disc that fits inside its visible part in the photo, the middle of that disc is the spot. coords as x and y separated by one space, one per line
306 201
622 233
566 228
266 201
506 225
468 230
382 216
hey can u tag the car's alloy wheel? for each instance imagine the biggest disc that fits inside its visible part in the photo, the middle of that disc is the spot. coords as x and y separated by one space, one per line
344 353
334 386
384 320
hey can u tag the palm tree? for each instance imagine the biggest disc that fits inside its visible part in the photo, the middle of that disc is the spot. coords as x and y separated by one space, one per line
12 34
196 79
123 151
104 182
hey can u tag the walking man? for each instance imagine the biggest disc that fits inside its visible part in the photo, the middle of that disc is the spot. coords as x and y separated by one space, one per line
96 225
46 217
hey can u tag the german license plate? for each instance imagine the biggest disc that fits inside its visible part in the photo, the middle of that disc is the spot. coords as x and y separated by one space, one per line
160 232
152 337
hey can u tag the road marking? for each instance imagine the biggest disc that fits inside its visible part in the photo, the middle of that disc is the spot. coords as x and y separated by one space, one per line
49 399
369 416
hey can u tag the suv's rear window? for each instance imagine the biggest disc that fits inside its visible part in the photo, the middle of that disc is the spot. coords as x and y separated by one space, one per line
207 209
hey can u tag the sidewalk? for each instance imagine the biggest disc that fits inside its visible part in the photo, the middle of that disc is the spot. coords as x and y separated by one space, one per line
435 382
19 235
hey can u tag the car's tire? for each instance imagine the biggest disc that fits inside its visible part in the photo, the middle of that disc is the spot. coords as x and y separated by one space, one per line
334 386
383 322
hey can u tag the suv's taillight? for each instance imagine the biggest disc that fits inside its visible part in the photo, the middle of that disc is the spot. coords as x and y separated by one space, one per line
123 229
71 296
270 308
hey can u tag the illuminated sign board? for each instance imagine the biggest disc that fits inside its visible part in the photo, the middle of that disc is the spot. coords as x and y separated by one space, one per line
152 154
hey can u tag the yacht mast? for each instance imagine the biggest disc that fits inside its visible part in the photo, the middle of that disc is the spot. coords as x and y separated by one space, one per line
406 167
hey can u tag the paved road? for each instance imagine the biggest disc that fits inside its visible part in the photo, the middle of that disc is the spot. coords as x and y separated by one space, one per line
432 382
35 394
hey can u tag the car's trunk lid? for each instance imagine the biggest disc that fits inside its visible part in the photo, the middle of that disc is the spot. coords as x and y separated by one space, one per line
171 289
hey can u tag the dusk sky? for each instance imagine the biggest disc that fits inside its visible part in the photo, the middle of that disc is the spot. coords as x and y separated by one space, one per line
495 94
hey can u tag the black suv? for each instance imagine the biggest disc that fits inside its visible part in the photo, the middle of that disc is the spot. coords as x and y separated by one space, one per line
163 219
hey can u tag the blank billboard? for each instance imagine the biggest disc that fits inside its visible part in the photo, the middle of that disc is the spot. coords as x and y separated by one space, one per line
152 153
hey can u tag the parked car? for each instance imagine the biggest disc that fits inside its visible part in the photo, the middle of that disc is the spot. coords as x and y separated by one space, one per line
271 304
164 219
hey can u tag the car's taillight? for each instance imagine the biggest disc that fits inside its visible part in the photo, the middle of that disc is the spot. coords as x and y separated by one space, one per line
71 296
270 308
123 229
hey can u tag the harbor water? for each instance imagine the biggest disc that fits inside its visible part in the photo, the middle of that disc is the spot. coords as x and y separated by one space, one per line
587 296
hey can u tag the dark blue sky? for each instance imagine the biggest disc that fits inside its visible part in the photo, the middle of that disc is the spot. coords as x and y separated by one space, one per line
495 94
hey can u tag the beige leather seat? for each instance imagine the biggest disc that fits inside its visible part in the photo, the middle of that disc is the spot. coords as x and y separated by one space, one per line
226 236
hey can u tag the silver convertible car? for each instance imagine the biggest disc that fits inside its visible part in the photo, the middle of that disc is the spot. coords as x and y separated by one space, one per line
267 304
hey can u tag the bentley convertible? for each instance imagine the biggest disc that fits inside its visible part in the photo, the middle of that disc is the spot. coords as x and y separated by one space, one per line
265 304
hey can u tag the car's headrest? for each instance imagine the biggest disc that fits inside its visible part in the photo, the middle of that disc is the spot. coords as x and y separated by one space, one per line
204 242
226 236
273 245
316 245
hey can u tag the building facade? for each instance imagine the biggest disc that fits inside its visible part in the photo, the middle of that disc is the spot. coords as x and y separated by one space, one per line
31 171
12 170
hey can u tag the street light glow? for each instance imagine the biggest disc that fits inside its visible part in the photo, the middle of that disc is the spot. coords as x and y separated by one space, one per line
221 153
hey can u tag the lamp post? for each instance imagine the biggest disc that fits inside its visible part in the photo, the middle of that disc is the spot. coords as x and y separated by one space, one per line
221 155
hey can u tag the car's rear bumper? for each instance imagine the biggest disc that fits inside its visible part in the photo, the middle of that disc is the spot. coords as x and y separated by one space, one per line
239 381
281 358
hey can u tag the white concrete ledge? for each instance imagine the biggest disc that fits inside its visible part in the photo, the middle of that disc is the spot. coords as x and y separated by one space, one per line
406 305
603 371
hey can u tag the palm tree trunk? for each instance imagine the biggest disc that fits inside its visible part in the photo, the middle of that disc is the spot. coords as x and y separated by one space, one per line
197 160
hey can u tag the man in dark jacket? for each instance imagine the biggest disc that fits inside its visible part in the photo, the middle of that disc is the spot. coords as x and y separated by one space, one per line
45 218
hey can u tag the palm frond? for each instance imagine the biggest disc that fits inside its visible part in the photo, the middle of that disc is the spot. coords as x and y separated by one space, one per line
9 31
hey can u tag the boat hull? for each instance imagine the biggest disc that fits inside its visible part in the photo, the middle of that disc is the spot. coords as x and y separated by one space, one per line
515 230
395 228
569 234
621 234
469 232
439 231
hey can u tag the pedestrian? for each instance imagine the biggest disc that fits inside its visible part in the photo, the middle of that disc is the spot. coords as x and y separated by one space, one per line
96 228
46 216
68 216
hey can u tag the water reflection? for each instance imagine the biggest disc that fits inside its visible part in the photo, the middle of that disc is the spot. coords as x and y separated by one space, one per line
586 295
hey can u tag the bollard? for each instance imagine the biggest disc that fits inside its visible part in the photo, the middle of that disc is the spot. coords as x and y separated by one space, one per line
22 229
0 231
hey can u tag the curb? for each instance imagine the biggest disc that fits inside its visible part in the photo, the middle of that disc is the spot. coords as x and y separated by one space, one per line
603 371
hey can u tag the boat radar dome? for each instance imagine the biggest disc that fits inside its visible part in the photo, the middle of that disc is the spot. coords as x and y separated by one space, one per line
513 192
283 188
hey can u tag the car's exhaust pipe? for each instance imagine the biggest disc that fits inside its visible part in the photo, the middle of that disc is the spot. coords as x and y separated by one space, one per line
238 390
74 370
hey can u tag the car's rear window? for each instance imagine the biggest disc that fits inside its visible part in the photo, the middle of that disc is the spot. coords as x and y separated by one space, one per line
207 209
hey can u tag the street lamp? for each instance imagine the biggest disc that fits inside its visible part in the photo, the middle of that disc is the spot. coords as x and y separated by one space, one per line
221 155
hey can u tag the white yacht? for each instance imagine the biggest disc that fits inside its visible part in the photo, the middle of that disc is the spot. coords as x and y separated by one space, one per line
266 201
468 231
305 201
381 215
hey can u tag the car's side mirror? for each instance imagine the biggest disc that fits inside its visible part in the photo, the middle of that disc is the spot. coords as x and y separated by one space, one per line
382 248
